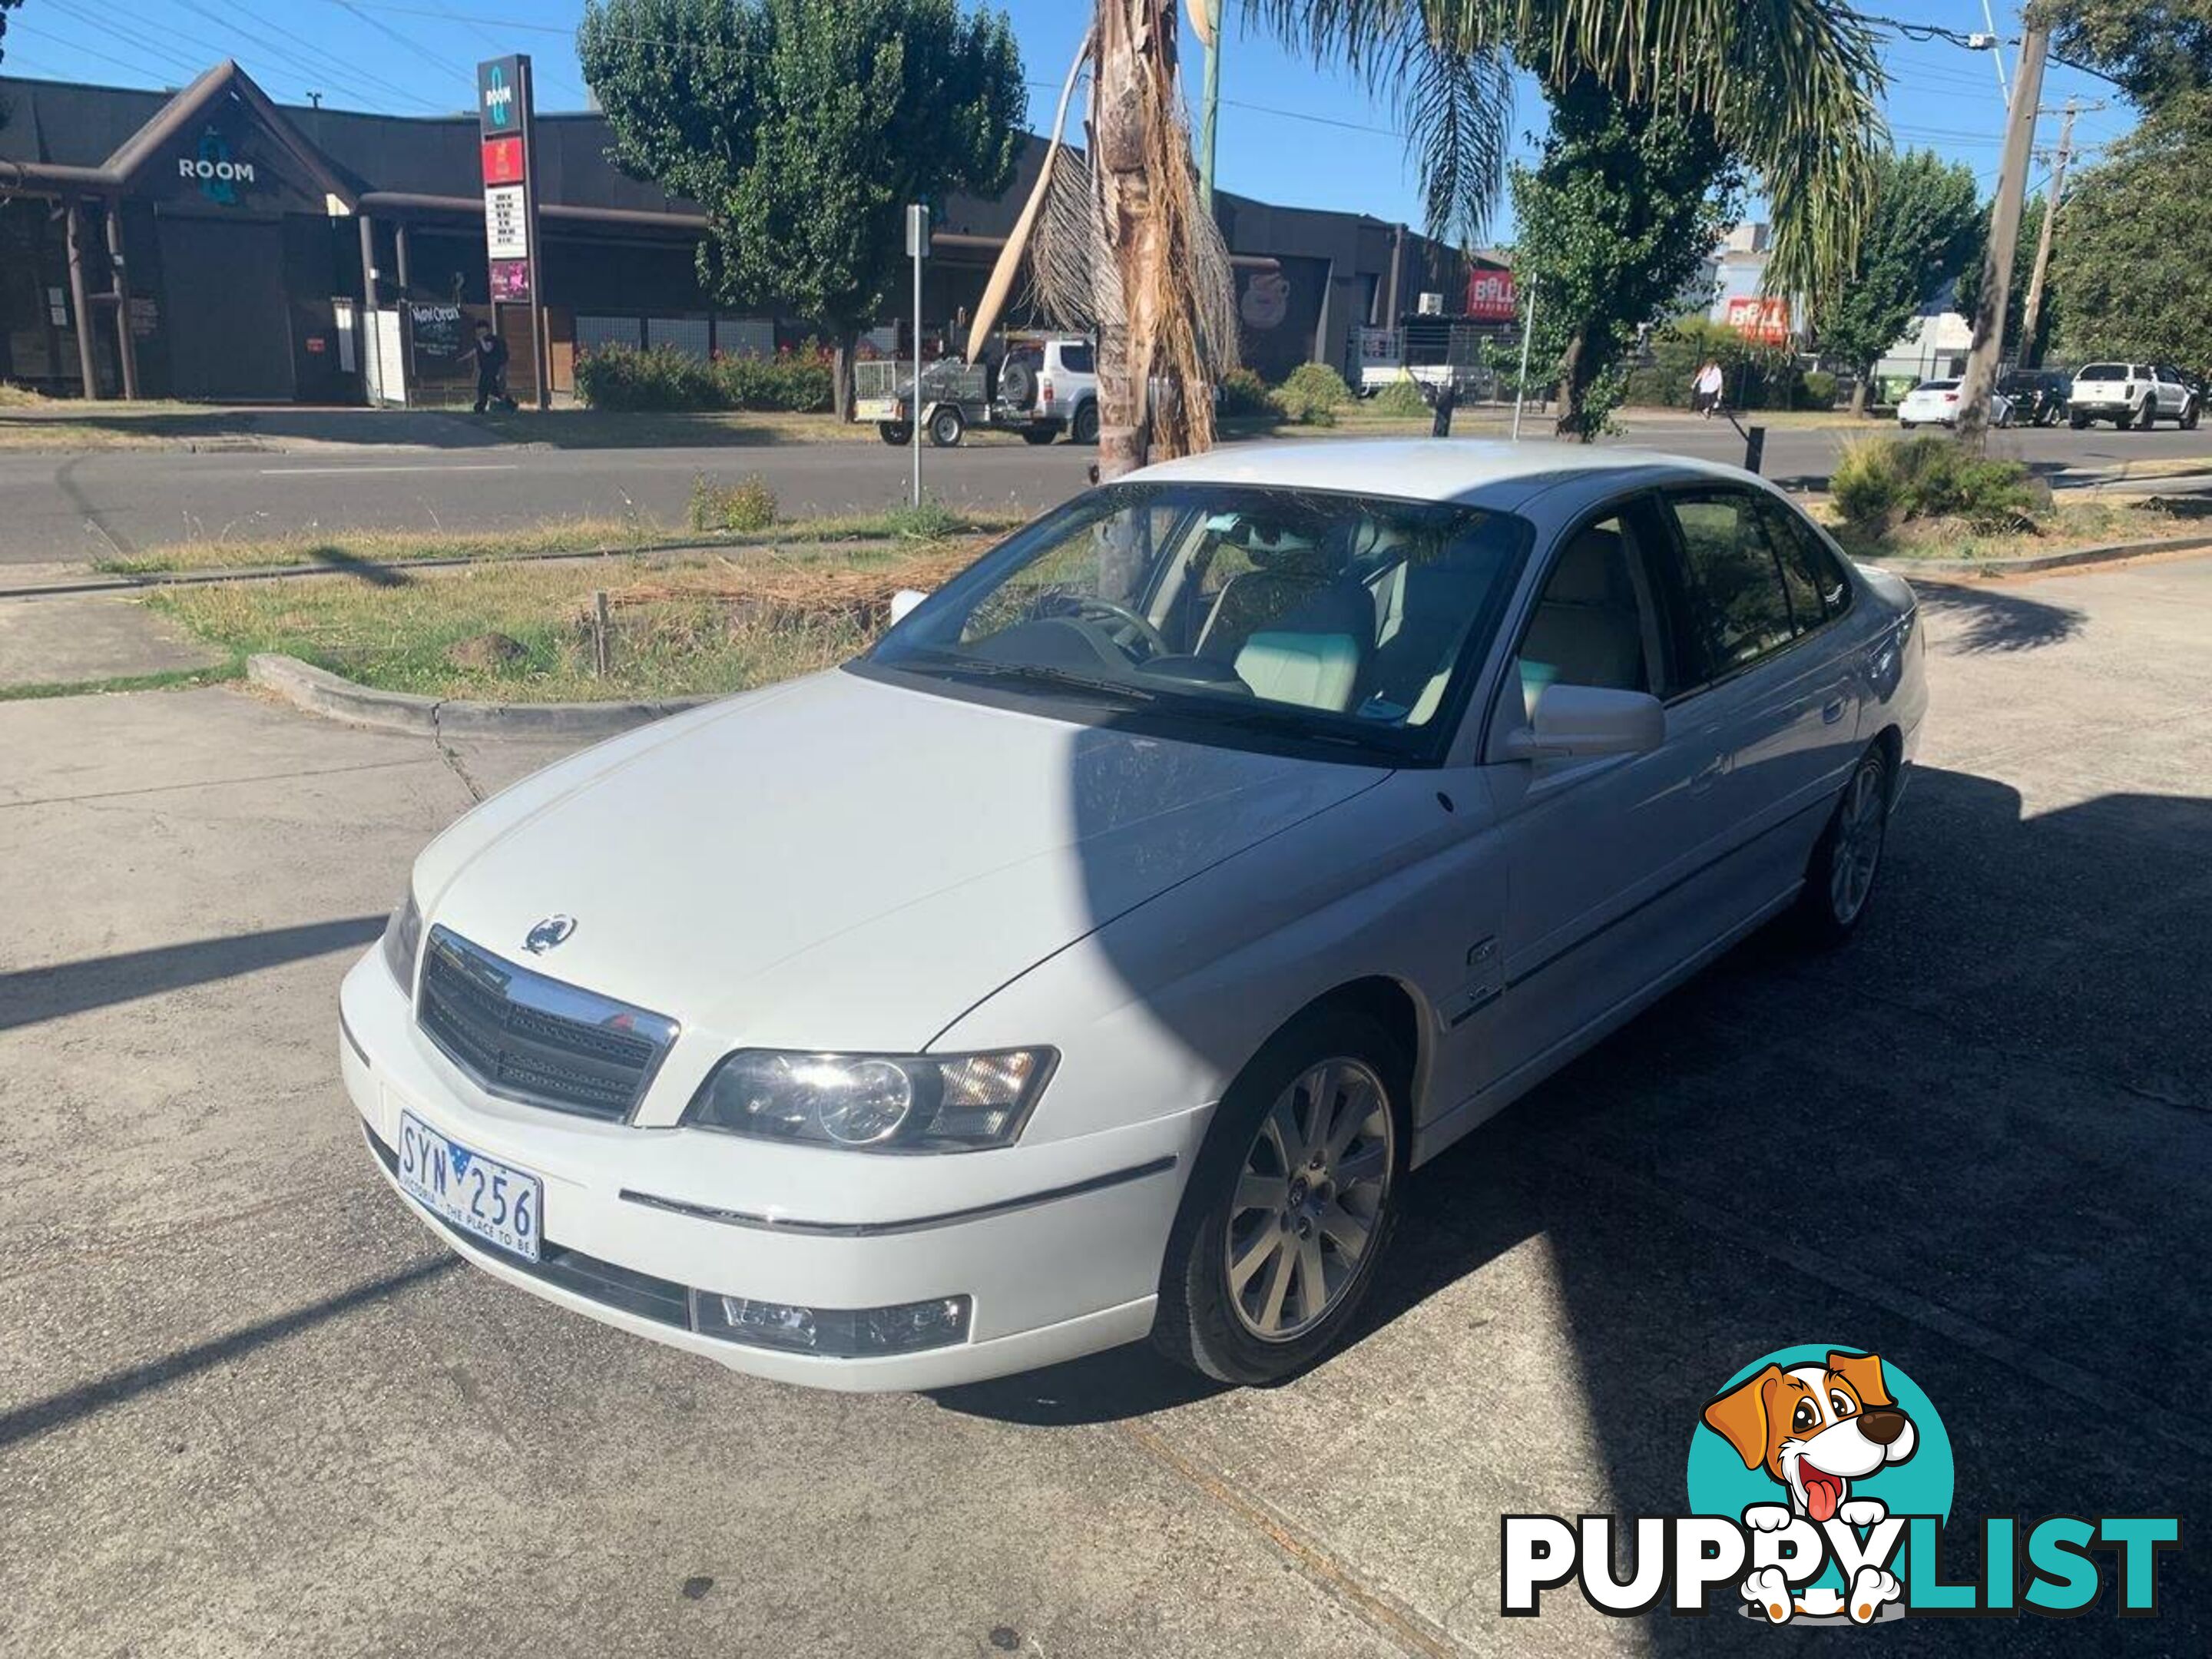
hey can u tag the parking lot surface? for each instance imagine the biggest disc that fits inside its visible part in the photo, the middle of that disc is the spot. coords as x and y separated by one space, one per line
247 1404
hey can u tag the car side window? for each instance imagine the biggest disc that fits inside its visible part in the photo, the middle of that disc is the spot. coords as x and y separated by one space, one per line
1815 583
1739 607
1076 359
1596 621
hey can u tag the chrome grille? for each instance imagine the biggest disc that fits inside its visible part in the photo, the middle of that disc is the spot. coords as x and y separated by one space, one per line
535 1040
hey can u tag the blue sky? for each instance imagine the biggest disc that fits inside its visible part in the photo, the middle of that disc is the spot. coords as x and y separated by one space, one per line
1289 132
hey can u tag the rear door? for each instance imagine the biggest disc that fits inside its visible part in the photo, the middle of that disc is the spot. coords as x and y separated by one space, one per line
1762 593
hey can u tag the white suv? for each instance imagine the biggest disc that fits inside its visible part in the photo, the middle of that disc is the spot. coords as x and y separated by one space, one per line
2130 395
1056 383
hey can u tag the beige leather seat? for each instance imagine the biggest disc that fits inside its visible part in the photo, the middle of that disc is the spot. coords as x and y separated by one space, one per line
1586 630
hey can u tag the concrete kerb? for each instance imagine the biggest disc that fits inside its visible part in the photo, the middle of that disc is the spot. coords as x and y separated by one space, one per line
2110 553
317 691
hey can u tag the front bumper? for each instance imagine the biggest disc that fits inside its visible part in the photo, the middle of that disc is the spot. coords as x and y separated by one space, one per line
1057 1244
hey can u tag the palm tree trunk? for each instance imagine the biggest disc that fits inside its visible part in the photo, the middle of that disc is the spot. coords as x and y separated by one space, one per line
1129 32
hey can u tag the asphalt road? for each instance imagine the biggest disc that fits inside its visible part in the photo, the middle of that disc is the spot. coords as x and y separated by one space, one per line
248 1405
95 504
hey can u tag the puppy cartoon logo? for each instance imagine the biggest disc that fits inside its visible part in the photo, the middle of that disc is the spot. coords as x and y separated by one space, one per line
1819 1483
1814 1429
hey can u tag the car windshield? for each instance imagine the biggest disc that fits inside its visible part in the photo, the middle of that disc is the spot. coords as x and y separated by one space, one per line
1937 385
1238 614
2102 372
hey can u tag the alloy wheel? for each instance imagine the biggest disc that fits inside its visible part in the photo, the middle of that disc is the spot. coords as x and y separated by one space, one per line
1308 1197
1858 843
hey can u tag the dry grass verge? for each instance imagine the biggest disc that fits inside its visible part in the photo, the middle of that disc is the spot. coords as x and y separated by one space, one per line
2070 525
353 550
526 633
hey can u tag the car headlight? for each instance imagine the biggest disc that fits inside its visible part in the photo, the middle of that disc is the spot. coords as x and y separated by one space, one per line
874 1102
403 938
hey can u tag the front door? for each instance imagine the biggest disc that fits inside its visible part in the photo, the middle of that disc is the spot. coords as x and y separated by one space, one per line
1608 857
229 324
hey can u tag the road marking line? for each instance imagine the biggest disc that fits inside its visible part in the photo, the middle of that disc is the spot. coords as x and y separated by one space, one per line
423 466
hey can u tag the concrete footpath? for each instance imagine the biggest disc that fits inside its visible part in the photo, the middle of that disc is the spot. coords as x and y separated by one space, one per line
247 1404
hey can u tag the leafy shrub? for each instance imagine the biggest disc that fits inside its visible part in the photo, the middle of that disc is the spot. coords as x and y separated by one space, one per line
657 377
797 382
748 504
1401 397
663 378
1880 479
1312 395
931 521
1819 389
1243 392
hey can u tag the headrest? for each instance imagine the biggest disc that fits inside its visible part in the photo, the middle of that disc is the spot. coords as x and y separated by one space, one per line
1592 570
1274 547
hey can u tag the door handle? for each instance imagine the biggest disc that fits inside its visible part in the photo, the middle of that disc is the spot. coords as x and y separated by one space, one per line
1709 774
1832 712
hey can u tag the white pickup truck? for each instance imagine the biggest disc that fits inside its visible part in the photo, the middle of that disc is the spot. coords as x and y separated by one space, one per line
2130 395
1041 388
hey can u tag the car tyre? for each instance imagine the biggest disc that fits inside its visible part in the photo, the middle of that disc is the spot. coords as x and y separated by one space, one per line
1039 434
2079 423
1085 429
1263 1218
945 428
2126 418
897 433
1840 878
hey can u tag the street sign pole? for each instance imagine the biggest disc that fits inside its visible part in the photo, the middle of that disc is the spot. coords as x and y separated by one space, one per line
1521 385
917 244
541 337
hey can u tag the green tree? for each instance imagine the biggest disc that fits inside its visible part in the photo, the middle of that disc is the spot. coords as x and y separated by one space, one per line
1925 226
1616 218
803 128
1661 109
2160 51
1791 87
2133 251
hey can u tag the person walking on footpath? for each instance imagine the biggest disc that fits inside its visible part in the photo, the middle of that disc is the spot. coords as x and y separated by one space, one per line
1447 401
489 353
1705 390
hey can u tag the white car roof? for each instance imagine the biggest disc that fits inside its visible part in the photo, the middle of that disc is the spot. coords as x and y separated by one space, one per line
1499 473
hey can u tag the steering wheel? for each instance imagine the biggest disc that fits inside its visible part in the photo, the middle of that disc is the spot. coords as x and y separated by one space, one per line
1128 625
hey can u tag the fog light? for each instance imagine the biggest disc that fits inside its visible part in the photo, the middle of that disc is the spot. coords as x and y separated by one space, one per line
834 1332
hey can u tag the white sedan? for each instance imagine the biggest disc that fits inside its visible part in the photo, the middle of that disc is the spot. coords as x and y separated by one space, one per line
1935 403
1092 959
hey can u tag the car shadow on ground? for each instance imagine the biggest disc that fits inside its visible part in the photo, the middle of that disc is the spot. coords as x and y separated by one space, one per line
1983 619
1974 1139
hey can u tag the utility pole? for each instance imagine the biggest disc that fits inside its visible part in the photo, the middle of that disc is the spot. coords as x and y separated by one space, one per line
1206 23
2004 239
2034 312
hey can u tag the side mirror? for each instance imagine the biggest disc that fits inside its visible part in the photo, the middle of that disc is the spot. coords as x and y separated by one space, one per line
903 602
1586 720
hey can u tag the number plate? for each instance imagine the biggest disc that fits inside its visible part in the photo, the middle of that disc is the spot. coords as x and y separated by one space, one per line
495 1202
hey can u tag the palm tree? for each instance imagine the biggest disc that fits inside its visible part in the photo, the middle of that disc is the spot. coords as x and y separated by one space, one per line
1789 86
1118 240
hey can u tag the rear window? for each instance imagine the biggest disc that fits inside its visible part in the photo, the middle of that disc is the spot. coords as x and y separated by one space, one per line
2102 372
1937 385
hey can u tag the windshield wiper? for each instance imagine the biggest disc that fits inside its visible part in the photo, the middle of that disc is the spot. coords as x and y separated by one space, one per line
1036 674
